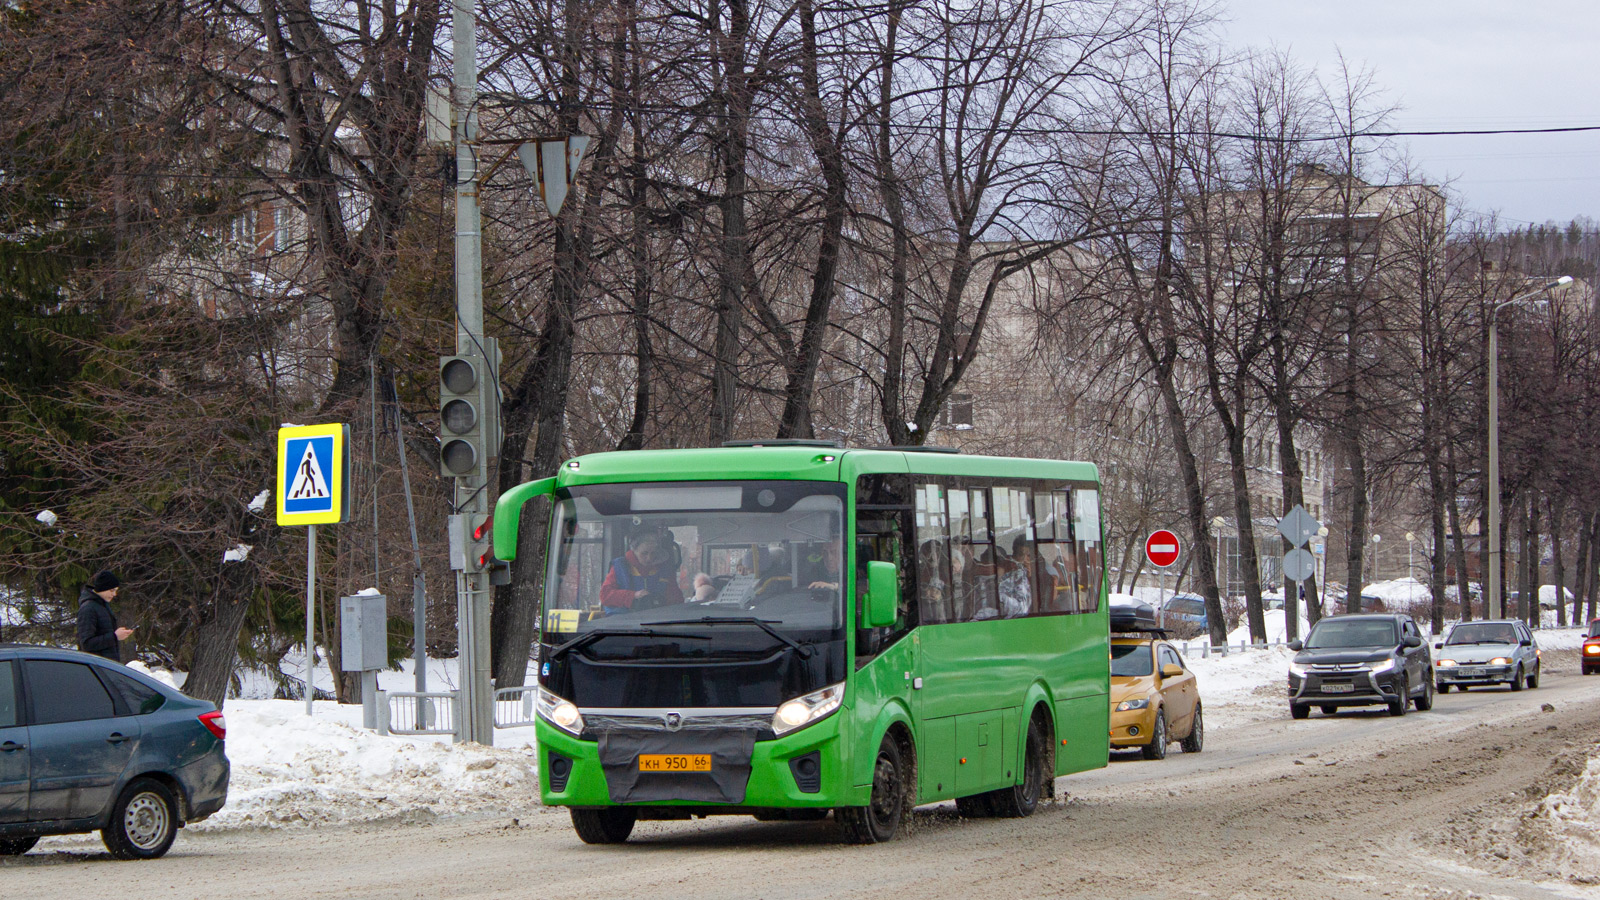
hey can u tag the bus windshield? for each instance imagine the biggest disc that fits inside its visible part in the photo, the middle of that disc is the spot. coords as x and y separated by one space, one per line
729 566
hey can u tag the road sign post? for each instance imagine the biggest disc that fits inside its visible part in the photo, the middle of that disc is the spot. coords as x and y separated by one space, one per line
312 489
1297 527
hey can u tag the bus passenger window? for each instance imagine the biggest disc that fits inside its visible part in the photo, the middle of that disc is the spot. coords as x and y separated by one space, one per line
933 556
1086 531
1013 553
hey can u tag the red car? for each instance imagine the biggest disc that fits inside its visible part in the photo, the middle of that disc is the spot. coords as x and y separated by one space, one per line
1591 649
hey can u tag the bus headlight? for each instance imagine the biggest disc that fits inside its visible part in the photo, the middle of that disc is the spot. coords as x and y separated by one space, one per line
559 712
802 711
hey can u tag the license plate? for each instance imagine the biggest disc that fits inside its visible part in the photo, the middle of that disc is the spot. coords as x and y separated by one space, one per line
1469 672
1338 688
674 762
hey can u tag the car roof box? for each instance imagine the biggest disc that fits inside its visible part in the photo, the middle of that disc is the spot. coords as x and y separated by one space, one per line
1128 617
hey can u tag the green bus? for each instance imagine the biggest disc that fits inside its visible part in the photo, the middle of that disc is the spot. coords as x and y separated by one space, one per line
781 629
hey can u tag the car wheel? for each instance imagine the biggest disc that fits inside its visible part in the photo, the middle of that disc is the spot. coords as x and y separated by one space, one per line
1157 748
1398 707
1299 710
1516 680
880 819
16 846
1444 687
1424 701
1196 740
610 825
1533 678
144 821
1020 800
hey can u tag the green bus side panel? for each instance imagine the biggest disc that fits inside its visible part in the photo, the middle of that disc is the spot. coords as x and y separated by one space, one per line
1084 723
936 763
877 692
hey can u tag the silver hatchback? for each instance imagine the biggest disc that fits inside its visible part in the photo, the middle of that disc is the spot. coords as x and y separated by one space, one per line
1495 651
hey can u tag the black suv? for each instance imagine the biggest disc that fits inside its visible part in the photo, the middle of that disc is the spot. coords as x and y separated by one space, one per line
1361 660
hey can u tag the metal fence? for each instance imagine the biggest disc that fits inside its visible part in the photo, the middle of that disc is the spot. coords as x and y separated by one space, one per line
410 712
1204 648
513 707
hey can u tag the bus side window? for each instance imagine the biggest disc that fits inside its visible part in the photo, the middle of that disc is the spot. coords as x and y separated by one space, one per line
983 601
1086 531
1058 557
935 593
1015 572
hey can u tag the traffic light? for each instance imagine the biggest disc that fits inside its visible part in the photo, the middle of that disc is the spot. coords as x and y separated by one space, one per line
472 542
466 390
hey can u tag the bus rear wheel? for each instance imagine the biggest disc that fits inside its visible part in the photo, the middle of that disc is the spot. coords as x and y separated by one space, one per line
1021 800
610 825
880 819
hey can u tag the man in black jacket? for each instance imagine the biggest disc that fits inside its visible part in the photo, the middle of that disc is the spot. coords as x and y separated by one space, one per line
97 627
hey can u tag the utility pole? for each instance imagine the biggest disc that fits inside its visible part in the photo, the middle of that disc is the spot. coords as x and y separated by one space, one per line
471 493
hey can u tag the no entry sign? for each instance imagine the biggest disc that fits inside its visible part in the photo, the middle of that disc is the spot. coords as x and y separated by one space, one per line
1161 548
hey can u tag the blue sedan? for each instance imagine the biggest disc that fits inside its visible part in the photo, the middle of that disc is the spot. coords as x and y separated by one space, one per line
89 745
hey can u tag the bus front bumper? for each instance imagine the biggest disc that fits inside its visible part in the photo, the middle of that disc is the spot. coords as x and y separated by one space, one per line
803 769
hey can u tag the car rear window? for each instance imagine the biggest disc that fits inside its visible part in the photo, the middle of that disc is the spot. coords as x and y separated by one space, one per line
1131 660
138 697
8 696
66 692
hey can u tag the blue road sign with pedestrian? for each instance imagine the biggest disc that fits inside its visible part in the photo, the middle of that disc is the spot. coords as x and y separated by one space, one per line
312 462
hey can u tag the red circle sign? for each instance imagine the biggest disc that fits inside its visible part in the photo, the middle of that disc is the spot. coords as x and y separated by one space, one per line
1161 548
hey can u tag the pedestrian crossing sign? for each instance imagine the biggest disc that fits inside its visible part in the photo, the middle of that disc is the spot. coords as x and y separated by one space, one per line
313 472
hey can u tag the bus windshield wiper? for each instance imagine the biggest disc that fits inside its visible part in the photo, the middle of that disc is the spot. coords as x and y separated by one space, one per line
589 637
763 624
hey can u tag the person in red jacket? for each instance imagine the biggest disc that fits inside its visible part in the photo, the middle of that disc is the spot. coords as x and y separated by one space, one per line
642 578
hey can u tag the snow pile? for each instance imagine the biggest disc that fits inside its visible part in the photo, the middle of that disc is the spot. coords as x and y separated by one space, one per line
47 517
1547 596
290 768
1242 687
1574 817
1277 628
1399 593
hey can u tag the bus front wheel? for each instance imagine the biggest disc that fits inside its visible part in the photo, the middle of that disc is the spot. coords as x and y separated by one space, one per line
610 825
880 819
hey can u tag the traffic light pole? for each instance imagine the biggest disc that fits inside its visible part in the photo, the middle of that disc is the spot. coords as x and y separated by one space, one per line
476 709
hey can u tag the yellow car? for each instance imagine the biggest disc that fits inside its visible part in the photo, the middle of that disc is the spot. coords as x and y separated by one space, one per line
1154 698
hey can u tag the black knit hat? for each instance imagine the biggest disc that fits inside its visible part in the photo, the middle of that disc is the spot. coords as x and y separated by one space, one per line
103 581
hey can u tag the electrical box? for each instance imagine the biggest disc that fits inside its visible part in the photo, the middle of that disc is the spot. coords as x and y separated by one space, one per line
364 633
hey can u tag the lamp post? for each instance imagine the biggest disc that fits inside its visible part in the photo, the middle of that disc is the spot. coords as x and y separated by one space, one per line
1217 524
1492 587
1376 539
1322 563
1411 539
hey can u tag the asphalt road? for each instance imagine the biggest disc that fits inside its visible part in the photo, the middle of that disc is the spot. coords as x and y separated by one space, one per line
1355 805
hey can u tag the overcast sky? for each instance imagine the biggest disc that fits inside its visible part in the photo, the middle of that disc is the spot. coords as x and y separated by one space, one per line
1467 64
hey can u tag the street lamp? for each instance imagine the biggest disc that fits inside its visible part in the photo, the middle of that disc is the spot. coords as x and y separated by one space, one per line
1322 560
1411 539
1493 585
1217 524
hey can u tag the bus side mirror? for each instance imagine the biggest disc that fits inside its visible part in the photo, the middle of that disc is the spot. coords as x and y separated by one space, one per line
508 515
883 595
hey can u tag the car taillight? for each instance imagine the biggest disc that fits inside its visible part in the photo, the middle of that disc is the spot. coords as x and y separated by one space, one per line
215 724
